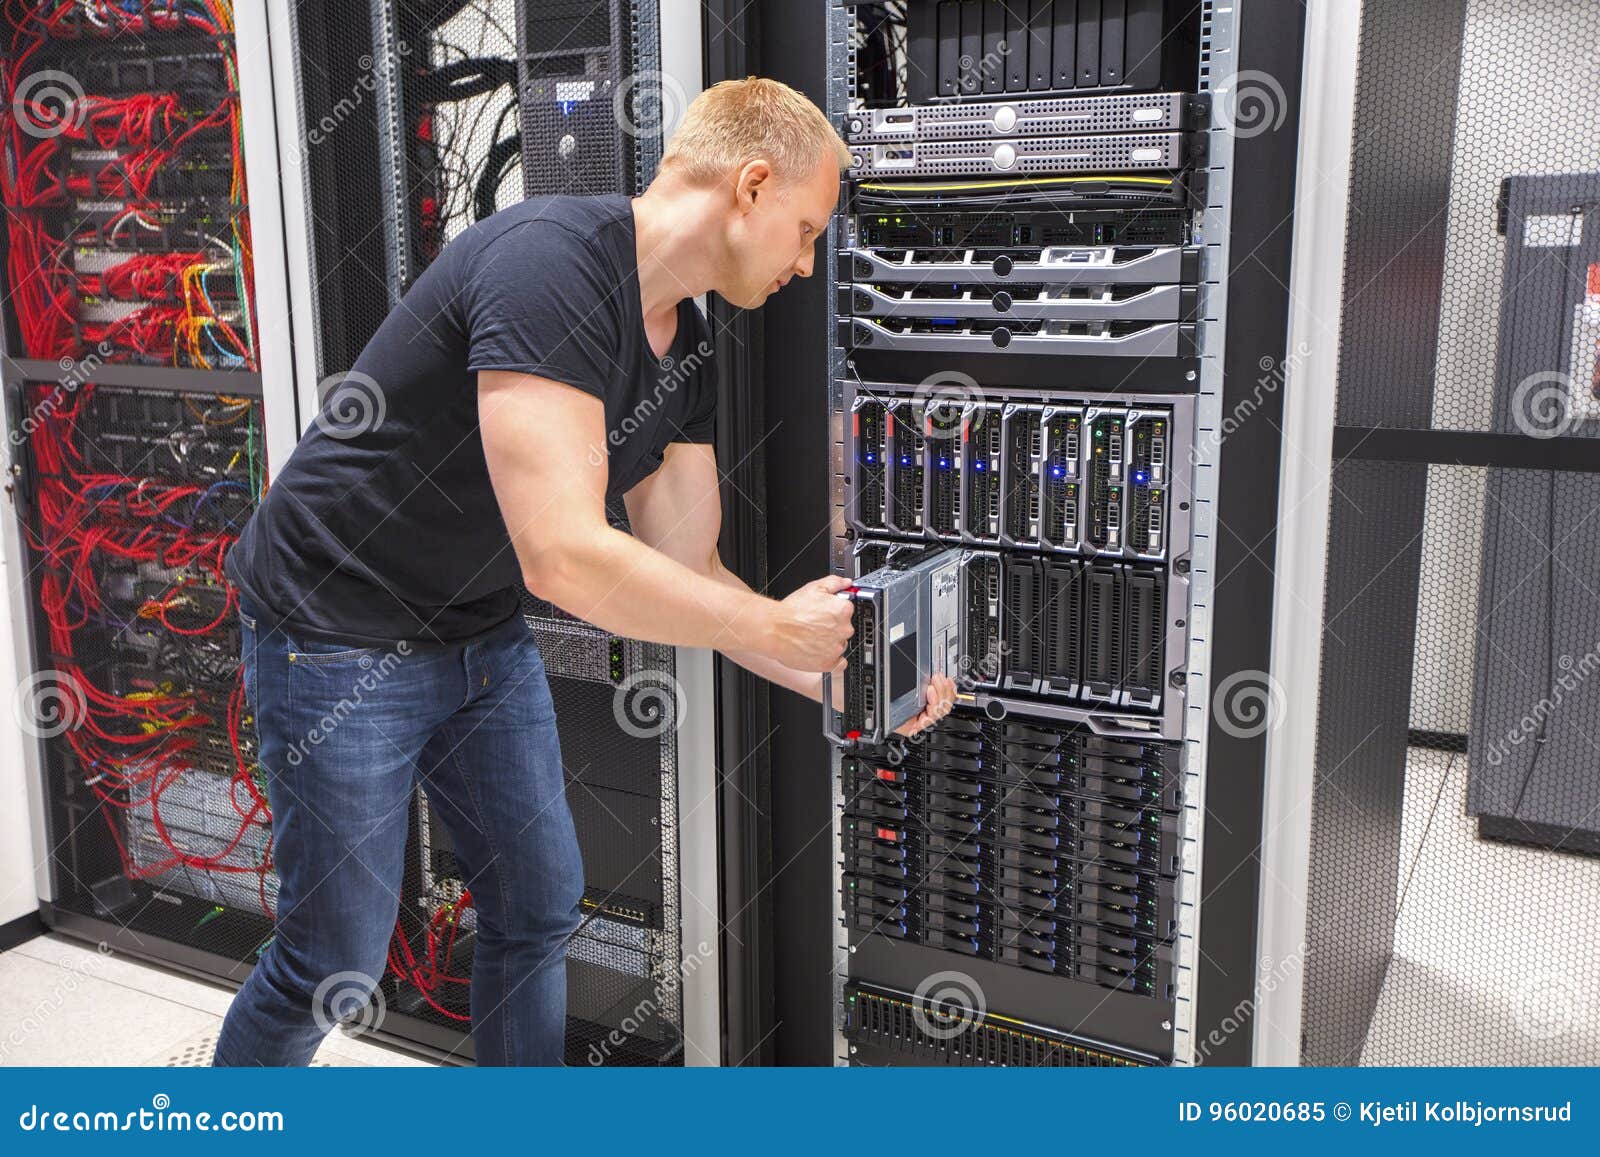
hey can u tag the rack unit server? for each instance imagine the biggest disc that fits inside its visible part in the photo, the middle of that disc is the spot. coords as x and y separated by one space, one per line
1021 324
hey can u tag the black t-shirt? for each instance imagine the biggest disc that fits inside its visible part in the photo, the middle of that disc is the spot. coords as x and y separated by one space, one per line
383 525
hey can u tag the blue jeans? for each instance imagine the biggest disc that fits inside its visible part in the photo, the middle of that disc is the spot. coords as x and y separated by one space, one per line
346 734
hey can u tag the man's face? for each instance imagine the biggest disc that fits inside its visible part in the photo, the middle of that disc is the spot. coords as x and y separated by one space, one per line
775 235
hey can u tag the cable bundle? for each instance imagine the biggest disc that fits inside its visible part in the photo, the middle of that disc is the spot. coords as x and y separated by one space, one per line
136 735
47 122
439 939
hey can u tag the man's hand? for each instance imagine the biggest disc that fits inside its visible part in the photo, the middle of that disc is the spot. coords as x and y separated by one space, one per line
940 698
812 626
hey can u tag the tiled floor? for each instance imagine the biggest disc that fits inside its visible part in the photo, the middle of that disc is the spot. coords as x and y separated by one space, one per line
1497 946
64 1003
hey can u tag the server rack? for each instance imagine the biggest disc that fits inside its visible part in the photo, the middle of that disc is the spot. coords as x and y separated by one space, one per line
146 404
344 110
635 719
931 320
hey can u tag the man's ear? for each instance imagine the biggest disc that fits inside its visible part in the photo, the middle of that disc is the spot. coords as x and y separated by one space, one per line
755 178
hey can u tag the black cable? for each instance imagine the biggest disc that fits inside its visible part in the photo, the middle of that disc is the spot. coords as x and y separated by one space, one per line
502 155
464 79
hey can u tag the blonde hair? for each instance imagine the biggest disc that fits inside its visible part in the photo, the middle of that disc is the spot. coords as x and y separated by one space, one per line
738 121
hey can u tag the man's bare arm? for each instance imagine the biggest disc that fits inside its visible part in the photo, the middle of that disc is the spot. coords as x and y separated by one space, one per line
678 510
545 447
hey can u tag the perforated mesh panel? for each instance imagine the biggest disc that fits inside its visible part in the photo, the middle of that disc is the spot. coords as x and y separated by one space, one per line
1454 897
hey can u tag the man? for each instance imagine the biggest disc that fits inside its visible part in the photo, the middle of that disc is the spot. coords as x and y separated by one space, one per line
552 357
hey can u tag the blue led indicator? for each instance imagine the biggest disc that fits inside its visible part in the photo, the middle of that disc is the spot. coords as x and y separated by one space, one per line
1141 477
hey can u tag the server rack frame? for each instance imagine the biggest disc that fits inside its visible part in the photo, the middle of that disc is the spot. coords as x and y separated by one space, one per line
273 385
1222 817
